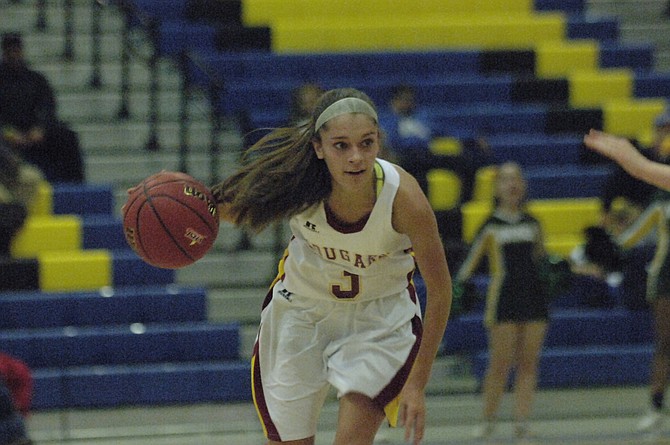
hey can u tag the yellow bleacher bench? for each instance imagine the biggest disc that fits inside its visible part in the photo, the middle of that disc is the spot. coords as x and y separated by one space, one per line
444 189
633 118
75 270
561 58
267 12
563 220
47 233
594 88
417 32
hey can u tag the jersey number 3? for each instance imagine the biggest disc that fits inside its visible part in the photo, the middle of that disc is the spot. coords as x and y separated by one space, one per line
354 287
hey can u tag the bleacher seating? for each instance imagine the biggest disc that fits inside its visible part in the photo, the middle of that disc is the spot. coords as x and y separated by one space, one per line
99 331
584 347
532 81
97 325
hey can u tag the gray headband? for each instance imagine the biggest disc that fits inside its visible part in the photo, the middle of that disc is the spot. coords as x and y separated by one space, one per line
345 106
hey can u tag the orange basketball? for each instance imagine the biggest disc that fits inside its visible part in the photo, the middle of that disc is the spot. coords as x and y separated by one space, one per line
170 220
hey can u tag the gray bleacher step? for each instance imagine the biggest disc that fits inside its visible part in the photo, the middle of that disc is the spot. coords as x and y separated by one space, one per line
228 304
628 9
50 46
655 33
109 137
241 269
22 16
128 168
640 21
78 107
77 76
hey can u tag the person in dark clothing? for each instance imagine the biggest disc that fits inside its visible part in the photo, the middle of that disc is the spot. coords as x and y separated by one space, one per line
28 118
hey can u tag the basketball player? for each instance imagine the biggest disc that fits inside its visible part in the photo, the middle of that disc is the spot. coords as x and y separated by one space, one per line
516 309
655 217
343 309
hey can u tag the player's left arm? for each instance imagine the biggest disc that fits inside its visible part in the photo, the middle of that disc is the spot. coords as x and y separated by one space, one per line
627 156
413 216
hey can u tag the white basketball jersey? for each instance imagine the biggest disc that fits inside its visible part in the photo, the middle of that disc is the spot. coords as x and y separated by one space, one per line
374 262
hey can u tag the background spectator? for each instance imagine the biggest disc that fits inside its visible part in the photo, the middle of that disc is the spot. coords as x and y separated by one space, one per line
407 137
516 311
28 117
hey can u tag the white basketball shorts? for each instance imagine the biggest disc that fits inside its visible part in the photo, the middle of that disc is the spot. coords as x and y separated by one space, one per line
304 345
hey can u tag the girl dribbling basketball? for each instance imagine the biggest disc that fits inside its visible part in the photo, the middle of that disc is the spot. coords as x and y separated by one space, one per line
342 311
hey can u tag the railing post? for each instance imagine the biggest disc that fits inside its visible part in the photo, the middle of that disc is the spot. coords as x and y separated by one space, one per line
215 128
68 12
124 111
41 23
153 143
185 91
96 10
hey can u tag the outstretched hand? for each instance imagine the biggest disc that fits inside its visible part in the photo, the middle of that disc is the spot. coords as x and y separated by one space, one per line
614 147
627 156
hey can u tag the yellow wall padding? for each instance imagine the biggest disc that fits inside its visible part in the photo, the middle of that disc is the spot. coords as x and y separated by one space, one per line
417 32
444 189
594 88
484 187
561 219
75 270
632 118
446 146
47 233
266 12
42 205
560 58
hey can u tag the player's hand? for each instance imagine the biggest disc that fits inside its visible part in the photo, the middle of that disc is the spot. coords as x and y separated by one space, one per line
611 146
413 414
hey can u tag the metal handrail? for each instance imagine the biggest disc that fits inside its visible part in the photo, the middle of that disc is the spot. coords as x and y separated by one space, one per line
133 13
213 89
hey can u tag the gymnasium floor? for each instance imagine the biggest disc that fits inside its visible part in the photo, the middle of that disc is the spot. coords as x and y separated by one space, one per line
587 417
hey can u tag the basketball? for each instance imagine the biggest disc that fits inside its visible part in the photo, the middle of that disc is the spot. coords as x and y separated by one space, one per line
170 220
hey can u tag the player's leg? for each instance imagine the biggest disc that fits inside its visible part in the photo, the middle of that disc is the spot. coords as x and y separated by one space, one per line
288 375
359 418
529 345
660 365
501 358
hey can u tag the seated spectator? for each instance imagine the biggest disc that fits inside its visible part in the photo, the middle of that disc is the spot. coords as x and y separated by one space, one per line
28 118
407 137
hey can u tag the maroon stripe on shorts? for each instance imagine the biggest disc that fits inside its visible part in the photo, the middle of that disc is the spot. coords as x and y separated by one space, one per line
394 387
259 399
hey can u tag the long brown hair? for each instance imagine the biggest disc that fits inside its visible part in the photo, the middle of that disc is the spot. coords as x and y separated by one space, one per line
280 174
